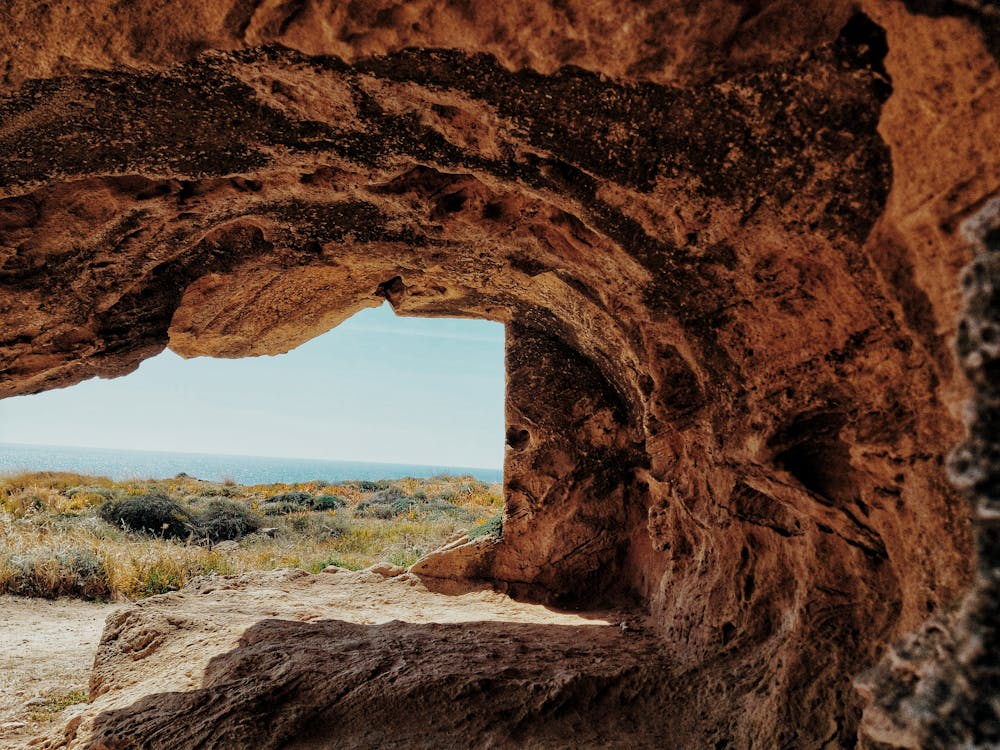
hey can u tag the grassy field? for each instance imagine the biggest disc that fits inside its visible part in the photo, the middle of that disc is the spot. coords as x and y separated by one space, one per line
72 535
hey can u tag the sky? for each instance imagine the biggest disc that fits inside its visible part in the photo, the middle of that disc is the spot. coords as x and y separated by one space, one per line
376 388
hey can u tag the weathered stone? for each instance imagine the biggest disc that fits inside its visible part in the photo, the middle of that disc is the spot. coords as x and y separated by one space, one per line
723 237
940 687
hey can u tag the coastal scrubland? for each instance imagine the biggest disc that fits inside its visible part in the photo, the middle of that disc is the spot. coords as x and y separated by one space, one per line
64 534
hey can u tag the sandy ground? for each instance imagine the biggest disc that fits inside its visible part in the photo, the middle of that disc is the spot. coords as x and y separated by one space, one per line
46 652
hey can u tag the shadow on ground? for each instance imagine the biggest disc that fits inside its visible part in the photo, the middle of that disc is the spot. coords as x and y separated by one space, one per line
333 683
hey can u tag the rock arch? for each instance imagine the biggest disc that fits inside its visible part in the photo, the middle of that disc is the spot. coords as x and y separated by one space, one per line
723 242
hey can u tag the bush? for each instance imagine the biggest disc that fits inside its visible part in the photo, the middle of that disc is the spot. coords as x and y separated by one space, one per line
492 526
105 492
372 509
403 505
328 502
303 499
151 513
222 490
385 504
224 519
388 495
291 502
280 508
314 526
51 573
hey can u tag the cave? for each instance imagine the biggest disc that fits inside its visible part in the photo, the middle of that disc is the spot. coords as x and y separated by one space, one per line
725 240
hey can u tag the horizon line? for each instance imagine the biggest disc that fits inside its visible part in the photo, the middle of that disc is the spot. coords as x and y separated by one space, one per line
248 455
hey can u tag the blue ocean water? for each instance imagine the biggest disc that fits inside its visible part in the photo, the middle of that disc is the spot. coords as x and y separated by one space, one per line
128 464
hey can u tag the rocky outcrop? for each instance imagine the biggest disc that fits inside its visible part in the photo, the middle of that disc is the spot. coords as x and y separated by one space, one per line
723 237
355 660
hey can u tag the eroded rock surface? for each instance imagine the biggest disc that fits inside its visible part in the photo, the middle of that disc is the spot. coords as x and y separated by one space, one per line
723 237
940 687
289 660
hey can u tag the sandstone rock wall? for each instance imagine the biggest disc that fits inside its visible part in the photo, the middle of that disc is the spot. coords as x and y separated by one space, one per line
723 237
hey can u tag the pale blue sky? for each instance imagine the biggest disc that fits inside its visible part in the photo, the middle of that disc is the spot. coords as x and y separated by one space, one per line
376 388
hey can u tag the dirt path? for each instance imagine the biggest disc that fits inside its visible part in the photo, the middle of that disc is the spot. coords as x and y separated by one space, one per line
46 654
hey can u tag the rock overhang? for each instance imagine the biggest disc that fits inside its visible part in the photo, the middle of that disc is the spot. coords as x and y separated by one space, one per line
729 383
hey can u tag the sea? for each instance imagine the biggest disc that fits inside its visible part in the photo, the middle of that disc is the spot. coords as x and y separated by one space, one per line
130 464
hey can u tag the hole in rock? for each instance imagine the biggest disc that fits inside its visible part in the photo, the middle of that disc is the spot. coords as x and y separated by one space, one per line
371 445
417 396
728 630
811 450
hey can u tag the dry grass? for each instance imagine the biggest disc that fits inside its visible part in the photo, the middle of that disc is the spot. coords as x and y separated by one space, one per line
57 702
53 542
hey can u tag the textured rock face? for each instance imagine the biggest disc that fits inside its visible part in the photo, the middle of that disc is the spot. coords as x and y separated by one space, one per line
723 237
257 661
939 687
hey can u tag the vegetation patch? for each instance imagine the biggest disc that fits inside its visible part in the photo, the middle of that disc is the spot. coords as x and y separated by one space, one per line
150 513
492 526
222 520
56 703
71 535
49 573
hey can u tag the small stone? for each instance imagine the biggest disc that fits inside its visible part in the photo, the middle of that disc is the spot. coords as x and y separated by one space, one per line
9 726
387 570
38 700
335 569
227 546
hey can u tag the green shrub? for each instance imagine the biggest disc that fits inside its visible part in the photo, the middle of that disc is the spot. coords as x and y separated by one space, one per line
403 505
304 499
385 504
292 502
225 519
492 526
51 573
328 502
316 526
151 513
388 495
280 508
372 509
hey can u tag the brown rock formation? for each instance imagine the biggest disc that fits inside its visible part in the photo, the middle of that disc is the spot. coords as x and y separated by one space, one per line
939 688
257 661
723 237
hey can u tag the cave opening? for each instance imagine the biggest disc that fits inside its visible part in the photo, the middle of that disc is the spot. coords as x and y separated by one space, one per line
723 244
424 394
